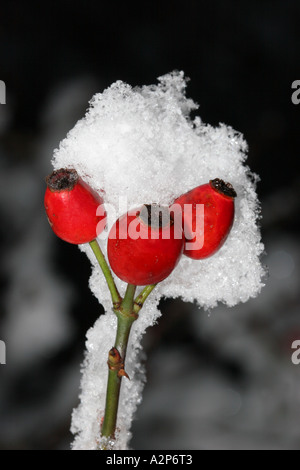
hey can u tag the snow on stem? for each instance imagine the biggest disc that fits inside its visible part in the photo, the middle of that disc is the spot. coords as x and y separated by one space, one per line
126 310
116 361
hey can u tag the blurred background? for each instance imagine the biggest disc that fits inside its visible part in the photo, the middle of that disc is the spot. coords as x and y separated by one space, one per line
216 380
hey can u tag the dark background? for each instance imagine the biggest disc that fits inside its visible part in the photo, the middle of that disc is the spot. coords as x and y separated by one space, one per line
219 381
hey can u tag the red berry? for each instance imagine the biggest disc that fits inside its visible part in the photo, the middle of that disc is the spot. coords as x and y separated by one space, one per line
206 232
144 246
72 207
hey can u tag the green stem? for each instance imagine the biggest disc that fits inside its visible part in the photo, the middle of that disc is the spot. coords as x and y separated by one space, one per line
116 360
140 299
127 304
116 298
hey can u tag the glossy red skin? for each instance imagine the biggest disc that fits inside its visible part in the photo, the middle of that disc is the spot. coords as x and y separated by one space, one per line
218 218
72 213
142 261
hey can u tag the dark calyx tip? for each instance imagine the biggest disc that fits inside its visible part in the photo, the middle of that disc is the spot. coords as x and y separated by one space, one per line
63 179
155 216
223 188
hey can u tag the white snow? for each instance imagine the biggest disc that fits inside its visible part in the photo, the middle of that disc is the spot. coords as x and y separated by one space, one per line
140 143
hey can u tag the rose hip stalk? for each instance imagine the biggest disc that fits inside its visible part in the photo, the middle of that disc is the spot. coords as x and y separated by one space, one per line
143 249
76 214
205 237
144 246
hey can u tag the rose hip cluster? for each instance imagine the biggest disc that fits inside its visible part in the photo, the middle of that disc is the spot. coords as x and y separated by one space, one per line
149 253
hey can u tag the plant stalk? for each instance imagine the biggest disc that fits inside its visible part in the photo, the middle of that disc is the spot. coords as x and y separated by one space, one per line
116 298
142 297
116 361
126 310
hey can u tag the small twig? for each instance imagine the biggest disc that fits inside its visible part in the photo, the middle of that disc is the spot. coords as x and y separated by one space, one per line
116 298
140 299
126 310
116 361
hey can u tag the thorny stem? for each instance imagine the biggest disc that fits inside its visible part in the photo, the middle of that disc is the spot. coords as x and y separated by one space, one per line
126 310
116 360
116 298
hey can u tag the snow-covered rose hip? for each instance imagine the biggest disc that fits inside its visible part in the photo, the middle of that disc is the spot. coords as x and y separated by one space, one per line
72 207
205 237
144 245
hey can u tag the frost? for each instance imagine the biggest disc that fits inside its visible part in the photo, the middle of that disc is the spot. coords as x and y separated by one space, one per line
141 144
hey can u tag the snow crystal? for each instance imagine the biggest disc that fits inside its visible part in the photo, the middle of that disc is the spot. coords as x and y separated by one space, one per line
141 144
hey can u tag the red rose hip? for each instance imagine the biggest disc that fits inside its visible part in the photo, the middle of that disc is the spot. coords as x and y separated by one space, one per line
205 237
144 246
72 207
